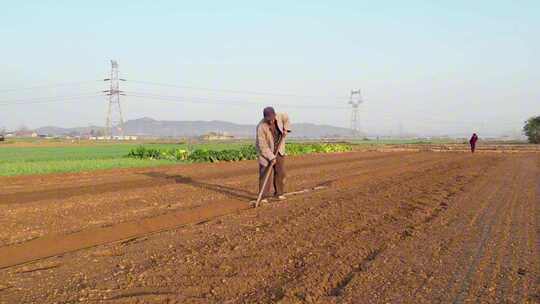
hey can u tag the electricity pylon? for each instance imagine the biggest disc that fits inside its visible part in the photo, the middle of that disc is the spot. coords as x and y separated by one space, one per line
355 101
115 120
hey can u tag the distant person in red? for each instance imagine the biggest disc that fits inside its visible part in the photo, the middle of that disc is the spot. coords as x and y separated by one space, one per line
472 141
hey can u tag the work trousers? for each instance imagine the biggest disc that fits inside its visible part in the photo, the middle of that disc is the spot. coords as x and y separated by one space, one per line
276 179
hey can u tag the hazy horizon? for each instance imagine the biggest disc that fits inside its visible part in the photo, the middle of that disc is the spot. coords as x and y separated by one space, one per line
425 68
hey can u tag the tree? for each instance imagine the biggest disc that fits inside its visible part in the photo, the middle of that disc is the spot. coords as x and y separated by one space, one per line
532 129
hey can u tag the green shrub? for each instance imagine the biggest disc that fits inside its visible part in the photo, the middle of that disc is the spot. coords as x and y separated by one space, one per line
145 153
204 155
247 152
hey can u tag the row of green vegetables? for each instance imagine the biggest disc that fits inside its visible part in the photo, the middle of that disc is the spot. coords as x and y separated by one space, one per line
243 153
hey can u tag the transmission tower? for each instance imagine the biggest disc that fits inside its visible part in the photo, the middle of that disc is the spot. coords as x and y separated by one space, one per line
115 120
355 101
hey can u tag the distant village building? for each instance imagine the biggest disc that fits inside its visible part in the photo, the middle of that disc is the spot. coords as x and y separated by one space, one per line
125 137
26 133
217 136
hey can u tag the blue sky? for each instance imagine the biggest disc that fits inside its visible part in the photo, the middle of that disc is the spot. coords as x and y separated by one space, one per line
431 67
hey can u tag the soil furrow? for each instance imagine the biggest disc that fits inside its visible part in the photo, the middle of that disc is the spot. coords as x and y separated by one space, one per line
393 228
425 269
345 243
182 193
491 220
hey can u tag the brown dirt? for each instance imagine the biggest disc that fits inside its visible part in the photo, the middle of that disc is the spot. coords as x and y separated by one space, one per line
375 227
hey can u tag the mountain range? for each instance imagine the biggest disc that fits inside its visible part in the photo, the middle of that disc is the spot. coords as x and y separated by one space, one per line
148 127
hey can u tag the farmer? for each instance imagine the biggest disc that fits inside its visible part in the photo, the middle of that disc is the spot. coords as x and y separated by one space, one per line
472 141
269 132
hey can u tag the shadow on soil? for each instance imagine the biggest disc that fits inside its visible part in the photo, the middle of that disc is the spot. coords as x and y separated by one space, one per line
158 180
67 192
180 179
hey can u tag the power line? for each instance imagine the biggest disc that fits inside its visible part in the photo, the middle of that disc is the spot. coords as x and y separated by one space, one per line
46 99
115 92
389 117
49 86
384 115
232 91
23 101
198 100
427 117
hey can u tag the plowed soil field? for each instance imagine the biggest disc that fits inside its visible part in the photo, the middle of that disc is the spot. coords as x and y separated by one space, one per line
362 227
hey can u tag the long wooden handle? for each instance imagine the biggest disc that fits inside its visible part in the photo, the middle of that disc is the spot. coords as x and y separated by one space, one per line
267 173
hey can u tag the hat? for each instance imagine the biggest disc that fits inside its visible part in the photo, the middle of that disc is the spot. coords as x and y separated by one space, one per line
269 113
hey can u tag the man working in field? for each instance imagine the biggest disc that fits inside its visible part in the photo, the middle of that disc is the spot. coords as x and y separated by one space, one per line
269 132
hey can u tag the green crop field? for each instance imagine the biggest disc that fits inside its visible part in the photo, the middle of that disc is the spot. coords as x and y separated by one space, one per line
17 160
25 158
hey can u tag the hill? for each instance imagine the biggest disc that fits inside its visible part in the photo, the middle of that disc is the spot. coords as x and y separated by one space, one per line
149 127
